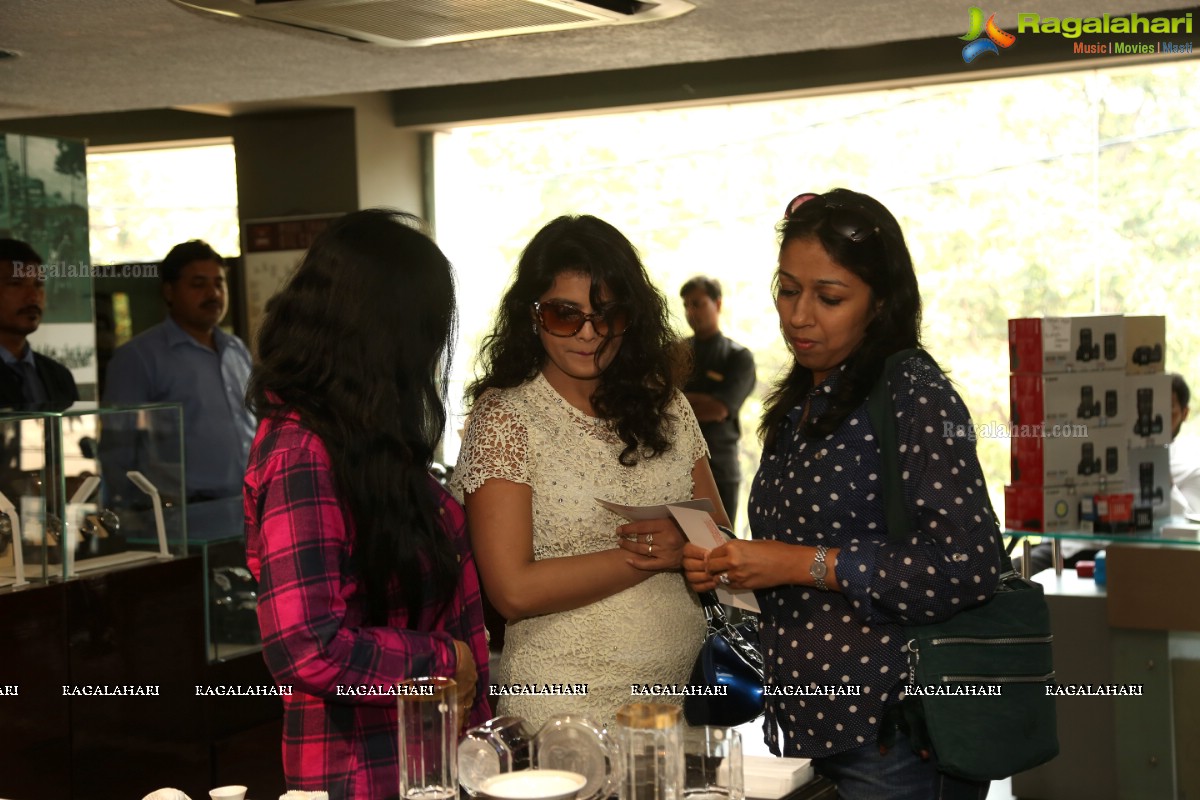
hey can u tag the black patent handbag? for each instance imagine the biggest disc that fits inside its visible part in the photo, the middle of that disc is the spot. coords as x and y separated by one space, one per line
730 664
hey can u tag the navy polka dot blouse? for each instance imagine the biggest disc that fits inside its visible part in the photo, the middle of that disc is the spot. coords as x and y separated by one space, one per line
827 491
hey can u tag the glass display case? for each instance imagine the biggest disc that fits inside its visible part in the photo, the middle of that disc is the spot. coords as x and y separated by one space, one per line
1175 531
216 532
1169 531
89 488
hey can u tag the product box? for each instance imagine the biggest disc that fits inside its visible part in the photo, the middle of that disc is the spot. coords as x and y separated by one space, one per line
1094 463
1149 400
1107 513
1066 344
767 776
1145 345
1041 509
1150 479
1078 399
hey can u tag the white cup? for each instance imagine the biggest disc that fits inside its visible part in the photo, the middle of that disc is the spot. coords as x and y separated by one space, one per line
228 793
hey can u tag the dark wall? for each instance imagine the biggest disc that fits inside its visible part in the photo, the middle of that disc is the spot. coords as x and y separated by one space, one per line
125 127
296 163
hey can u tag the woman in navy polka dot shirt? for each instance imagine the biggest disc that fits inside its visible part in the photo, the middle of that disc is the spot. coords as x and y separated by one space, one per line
834 591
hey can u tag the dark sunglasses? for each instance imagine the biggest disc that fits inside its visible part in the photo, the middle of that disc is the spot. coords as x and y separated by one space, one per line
847 222
564 319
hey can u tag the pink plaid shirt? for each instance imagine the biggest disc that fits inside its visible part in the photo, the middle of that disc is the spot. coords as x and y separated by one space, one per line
311 610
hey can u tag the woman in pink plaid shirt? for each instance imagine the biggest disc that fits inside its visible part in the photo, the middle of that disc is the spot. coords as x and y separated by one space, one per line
365 575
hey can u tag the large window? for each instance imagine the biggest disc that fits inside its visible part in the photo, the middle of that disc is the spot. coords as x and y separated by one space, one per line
1055 194
143 202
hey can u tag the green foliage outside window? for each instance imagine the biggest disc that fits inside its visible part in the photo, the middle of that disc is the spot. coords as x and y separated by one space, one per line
1056 194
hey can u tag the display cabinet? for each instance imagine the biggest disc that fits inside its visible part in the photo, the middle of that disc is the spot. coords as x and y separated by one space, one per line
1139 632
216 533
1167 531
89 488
109 594
24 556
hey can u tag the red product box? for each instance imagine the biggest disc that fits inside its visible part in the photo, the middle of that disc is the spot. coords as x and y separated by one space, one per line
1097 462
1066 344
1041 509
1114 507
1047 404
1107 513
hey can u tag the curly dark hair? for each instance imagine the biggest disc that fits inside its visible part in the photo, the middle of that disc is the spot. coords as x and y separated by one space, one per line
357 344
883 262
636 388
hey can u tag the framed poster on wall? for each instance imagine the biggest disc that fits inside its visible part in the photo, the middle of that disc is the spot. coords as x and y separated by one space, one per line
271 250
43 201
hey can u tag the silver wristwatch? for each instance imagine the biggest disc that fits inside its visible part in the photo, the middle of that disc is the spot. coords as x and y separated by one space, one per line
819 568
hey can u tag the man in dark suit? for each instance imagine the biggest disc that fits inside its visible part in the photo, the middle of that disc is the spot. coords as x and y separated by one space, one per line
722 378
28 380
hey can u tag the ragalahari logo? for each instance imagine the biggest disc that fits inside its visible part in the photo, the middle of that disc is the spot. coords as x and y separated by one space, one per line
996 38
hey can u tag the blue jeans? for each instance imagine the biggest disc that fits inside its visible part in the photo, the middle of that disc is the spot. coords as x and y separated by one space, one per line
899 774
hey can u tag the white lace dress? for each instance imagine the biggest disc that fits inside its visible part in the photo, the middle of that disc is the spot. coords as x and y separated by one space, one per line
647 634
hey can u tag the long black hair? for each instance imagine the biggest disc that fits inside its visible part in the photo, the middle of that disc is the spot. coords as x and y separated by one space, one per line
880 258
357 344
636 388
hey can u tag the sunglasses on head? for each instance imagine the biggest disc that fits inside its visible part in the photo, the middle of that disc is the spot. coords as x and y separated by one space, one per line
847 222
563 319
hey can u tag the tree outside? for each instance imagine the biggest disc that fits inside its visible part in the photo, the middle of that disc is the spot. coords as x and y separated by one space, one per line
142 203
1058 194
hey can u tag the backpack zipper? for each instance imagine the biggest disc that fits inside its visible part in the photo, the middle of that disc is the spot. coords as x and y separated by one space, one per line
914 655
999 678
985 640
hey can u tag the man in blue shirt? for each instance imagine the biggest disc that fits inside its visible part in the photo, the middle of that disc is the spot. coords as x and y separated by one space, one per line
187 359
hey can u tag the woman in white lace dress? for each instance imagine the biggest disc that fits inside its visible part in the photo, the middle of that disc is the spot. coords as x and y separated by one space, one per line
577 401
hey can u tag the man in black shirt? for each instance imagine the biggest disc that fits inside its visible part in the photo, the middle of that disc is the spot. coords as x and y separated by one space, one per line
722 378
27 379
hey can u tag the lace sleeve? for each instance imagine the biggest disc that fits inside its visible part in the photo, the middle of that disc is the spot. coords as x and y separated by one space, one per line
496 446
687 430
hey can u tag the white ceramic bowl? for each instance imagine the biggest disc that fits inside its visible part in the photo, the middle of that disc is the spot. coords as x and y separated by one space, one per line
228 793
166 794
533 784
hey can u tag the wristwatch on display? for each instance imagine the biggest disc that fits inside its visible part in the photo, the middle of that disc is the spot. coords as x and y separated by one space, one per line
819 568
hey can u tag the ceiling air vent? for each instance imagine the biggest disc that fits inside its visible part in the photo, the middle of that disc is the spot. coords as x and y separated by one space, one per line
417 23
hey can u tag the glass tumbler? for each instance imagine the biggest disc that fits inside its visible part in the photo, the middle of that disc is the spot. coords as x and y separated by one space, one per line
574 743
712 764
500 745
649 744
428 738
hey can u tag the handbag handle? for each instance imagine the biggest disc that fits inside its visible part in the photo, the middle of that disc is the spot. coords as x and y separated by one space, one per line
883 419
713 611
